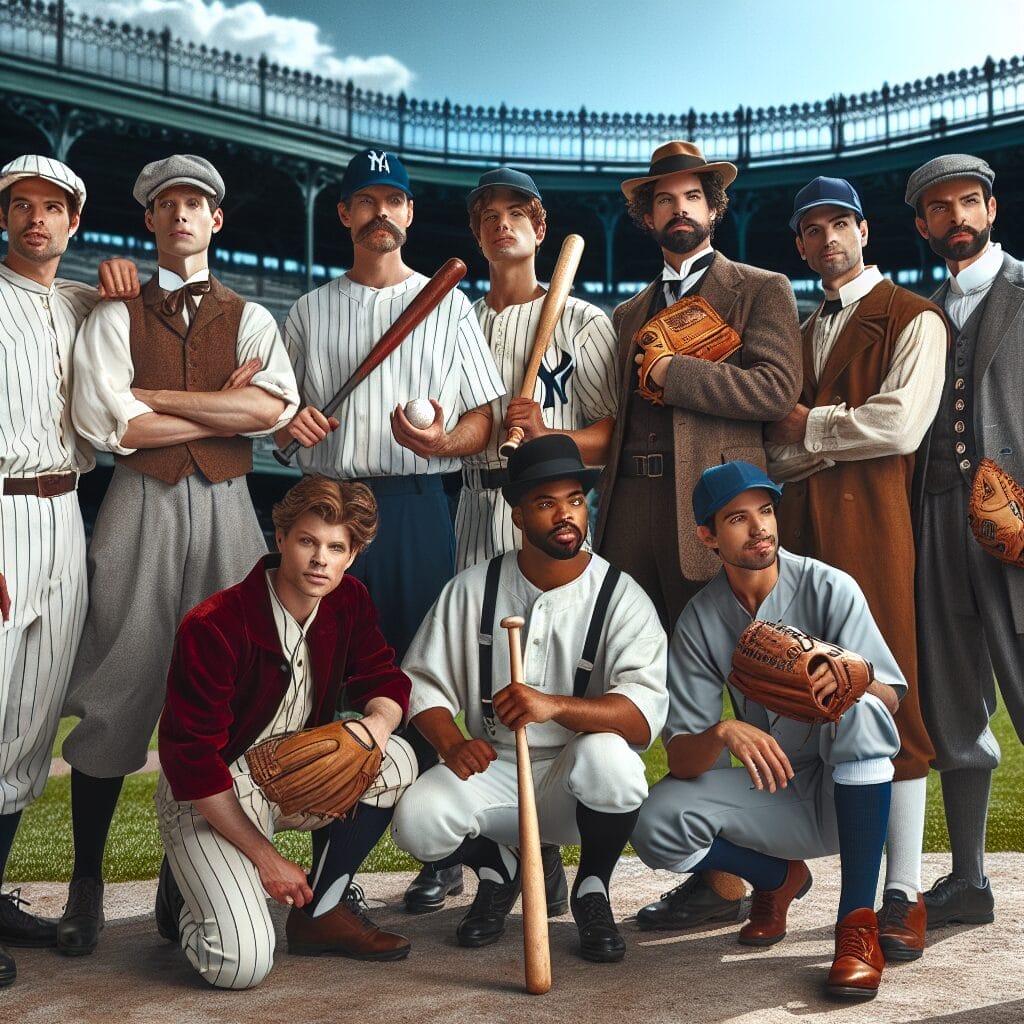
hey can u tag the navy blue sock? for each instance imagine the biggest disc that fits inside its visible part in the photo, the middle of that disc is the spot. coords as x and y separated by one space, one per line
862 816
8 826
759 869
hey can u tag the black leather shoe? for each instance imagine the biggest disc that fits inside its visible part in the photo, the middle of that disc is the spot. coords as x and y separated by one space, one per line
600 941
485 922
79 929
953 900
431 887
169 902
692 903
8 970
556 889
18 928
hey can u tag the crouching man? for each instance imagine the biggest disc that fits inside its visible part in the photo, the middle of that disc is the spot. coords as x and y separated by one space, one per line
272 655
816 789
594 695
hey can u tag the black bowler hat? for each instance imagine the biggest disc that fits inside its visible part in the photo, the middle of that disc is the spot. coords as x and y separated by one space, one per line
544 460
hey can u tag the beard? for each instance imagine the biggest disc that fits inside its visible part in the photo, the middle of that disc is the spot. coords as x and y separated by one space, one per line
960 250
682 241
750 559
553 549
373 238
54 248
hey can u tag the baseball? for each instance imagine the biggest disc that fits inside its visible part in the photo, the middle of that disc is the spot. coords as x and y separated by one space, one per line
419 412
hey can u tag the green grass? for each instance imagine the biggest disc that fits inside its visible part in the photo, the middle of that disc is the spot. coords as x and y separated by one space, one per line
42 850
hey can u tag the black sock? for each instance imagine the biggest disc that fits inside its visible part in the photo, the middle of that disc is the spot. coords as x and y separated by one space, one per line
862 816
603 837
8 827
92 809
480 853
338 851
761 870
965 794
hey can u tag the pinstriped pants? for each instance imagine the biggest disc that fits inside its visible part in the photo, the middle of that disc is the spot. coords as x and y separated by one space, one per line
42 557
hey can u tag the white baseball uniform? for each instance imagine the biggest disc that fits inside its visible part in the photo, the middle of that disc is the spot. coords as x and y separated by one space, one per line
42 542
599 770
576 386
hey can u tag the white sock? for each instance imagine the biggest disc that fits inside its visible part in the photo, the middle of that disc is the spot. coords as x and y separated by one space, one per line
905 837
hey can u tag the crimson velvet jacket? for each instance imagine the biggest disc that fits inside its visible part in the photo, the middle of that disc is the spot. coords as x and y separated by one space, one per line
228 676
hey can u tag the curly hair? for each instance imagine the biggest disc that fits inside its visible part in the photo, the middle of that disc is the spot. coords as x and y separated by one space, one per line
641 203
336 503
533 207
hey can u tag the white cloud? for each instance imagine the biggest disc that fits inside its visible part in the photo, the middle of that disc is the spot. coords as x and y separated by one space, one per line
249 30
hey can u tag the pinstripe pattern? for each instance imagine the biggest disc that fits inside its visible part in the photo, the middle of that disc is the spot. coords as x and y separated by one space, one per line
42 544
580 359
331 330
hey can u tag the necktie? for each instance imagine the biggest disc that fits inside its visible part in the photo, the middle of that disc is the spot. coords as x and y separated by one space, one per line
831 306
181 298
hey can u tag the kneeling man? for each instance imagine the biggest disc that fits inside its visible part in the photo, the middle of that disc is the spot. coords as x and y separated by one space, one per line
594 695
816 789
268 656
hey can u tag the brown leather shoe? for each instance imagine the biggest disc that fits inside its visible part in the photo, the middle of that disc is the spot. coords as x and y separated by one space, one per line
767 924
857 968
342 932
901 926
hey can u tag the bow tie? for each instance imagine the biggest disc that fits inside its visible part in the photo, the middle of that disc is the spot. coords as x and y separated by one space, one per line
172 302
831 306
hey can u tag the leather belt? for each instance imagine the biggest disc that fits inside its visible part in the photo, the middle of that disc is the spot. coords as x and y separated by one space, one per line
652 466
50 485
484 479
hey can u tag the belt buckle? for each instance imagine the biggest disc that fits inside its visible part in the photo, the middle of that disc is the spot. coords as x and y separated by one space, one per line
50 485
655 465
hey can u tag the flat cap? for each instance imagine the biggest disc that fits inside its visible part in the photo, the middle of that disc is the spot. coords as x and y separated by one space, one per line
46 168
947 168
180 169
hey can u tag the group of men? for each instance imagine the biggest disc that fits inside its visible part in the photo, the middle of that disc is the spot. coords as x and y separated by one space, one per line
874 415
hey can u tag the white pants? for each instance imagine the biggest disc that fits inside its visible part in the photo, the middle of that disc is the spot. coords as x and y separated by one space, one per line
225 927
439 810
42 557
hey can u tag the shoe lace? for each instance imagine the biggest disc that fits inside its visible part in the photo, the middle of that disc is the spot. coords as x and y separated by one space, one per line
491 897
355 900
762 904
593 909
15 898
854 942
893 913
681 891
83 895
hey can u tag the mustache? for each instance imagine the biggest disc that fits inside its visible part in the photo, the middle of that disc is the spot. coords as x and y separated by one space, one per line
682 219
960 229
566 525
766 537
381 222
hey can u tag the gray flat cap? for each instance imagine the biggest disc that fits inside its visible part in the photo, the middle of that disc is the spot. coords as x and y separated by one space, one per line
180 169
947 168
46 168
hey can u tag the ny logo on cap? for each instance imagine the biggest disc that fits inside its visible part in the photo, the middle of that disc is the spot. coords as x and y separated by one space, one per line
378 161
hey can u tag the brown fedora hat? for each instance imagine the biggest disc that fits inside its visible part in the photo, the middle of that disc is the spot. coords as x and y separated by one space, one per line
678 156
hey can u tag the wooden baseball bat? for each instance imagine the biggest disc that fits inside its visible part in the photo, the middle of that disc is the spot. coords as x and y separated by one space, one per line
416 312
554 302
536 949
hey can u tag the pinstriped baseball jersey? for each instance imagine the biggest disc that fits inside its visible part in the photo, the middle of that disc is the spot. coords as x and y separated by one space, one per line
330 331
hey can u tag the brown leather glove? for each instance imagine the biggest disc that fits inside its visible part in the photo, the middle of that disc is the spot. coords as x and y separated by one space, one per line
996 512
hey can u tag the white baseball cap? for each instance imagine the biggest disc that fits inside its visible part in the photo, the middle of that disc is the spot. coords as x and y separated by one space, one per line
46 168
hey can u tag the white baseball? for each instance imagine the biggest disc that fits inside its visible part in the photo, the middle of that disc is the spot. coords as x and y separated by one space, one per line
419 412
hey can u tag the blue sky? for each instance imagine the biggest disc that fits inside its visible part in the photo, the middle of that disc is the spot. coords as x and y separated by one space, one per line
657 56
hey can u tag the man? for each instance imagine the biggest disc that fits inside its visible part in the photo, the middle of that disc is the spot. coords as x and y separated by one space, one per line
328 333
42 543
174 383
575 391
271 655
970 606
713 412
815 789
593 695
874 357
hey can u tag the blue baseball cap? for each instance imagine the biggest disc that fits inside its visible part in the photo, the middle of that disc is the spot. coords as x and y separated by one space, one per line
718 485
824 192
374 167
504 177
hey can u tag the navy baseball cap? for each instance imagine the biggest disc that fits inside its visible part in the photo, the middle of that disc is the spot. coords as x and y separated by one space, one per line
718 485
824 192
504 177
374 167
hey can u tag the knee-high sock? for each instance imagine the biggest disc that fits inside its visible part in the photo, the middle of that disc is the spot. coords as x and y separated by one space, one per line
8 827
759 869
337 856
489 860
603 837
905 837
862 816
966 793
92 809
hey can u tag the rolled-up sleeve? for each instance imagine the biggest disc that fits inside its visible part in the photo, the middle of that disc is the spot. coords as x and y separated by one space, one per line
259 338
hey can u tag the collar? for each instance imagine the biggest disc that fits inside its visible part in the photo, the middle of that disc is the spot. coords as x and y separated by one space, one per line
669 273
277 605
855 290
24 283
171 282
363 292
980 274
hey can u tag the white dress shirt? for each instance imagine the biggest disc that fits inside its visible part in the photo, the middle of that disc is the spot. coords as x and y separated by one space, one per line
968 288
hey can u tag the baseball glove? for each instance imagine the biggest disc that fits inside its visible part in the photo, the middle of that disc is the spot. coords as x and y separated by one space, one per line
773 664
996 512
689 327
321 771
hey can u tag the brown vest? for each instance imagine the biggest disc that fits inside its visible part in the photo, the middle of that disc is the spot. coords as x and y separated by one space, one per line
856 515
201 361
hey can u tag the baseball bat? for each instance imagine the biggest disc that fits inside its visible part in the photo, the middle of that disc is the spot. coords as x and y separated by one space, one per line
554 302
536 949
416 312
